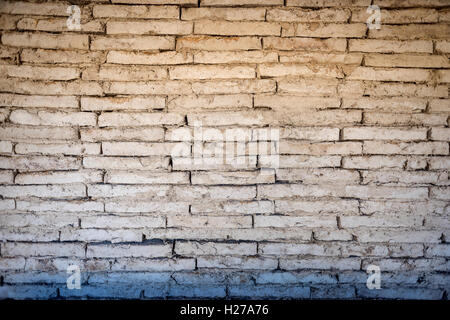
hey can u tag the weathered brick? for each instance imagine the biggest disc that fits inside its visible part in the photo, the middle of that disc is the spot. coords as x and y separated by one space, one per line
380 221
177 2
443 76
301 161
122 134
139 12
39 163
51 88
158 58
411 31
153 87
299 15
6 177
139 206
397 119
330 30
15 100
209 222
214 3
312 176
398 235
440 105
377 74
399 16
153 27
304 87
441 134
233 207
218 43
59 177
234 86
72 148
101 235
211 72
282 70
40 73
133 251
47 191
319 57
53 118
235 57
211 248
118 119
229 14
61 56
115 73
443 46
322 148
121 103
43 249
297 221
133 43
239 178
375 147
59 206
46 41
405 89
327 3
210 102
305 44
237 28
143 177
129 191
289 103
388 46
321 264
408 61
144 149
373 133
237 263
56 25
441 193
6 147
215 192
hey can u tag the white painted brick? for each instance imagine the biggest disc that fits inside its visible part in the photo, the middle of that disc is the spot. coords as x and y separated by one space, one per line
122 134
15 100
59 177
53 118
213 248
120 222
209 222
117 119
145 177
134 251
146 206
119 163
321 264
59 206
43 249
237 263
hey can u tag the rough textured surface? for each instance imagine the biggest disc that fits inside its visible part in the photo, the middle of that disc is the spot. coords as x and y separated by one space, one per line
98 152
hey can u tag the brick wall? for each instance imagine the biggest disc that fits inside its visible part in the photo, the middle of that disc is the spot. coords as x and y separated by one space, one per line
102 166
